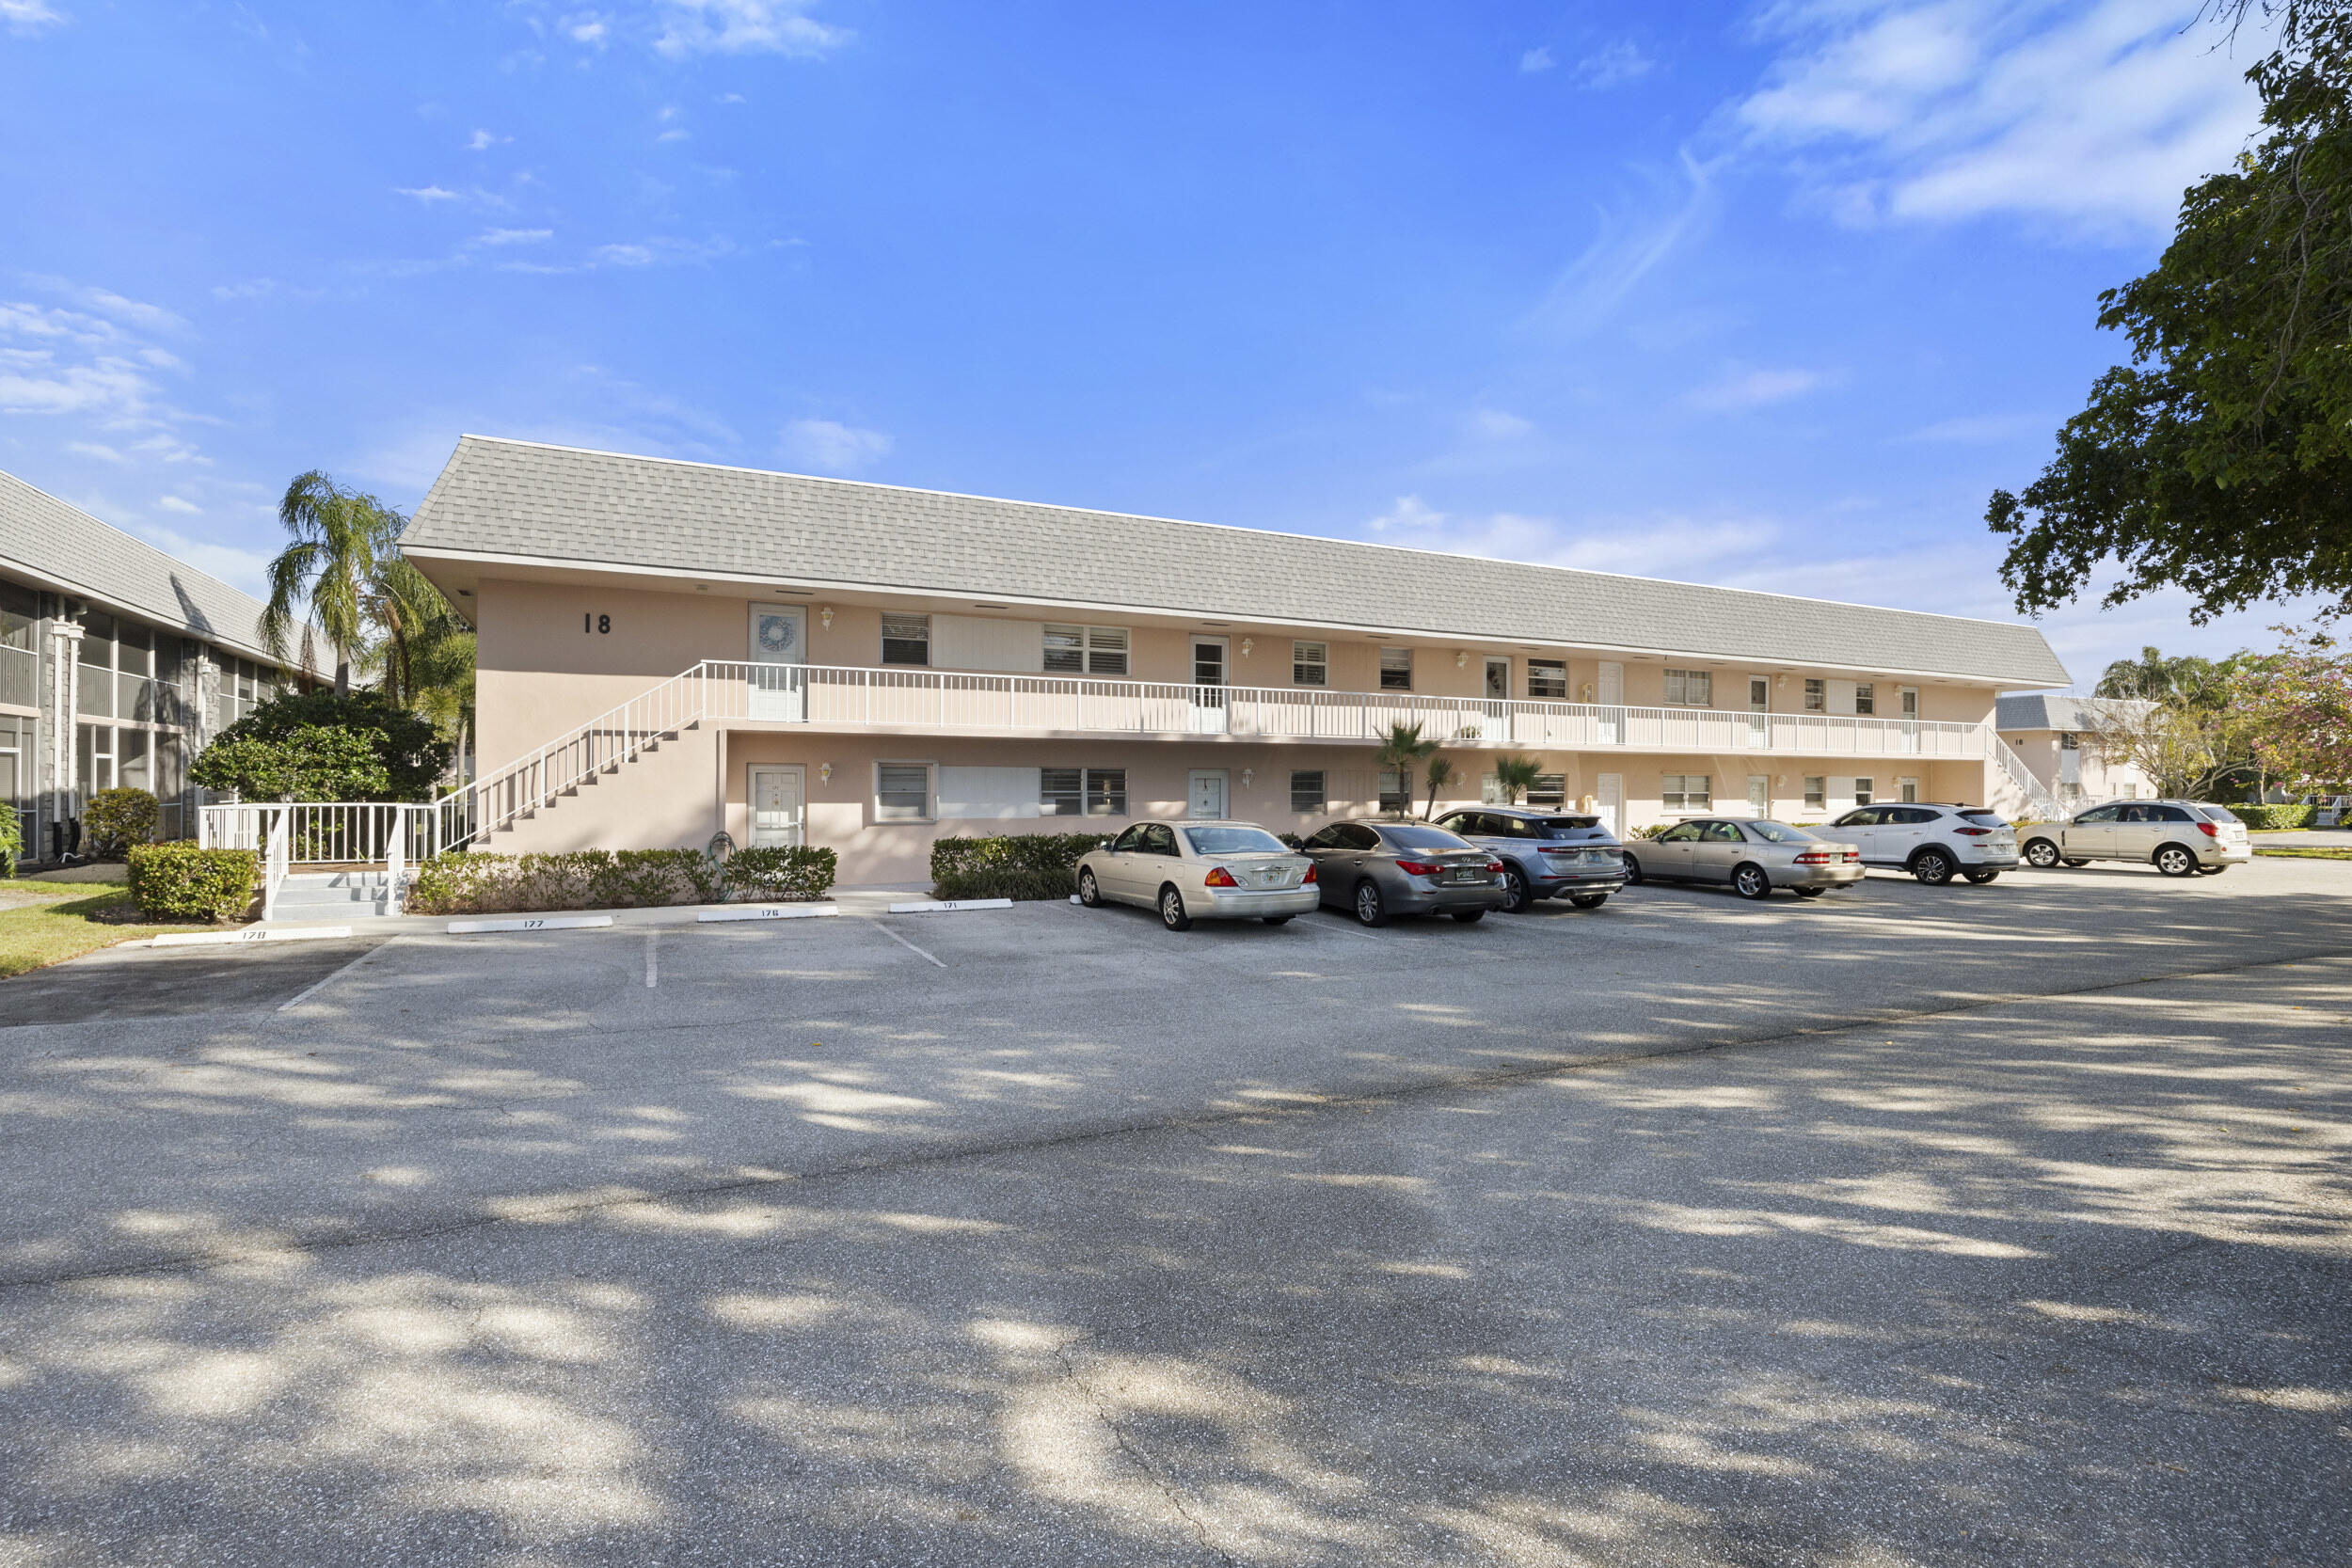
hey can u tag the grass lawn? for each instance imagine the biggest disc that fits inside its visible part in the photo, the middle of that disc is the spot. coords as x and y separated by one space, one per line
2308 851
70 919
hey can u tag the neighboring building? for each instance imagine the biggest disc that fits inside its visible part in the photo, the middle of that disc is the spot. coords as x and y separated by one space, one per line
2056 736
888 665
116 664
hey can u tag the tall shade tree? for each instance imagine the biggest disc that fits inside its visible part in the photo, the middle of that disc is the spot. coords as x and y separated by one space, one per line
339 540
2219 459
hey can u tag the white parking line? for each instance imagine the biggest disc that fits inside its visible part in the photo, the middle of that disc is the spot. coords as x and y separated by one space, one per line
903 942
653 961
1334 924
314 988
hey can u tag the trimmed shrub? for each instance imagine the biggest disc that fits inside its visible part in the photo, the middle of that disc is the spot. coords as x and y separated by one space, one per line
464 883
118 818
774 873
1028 866
180 881
278 752
2268 818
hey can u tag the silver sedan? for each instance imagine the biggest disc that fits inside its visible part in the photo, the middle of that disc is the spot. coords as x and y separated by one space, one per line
1754 855
1192 871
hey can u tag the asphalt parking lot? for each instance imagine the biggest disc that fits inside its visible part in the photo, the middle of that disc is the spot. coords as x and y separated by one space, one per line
1960 1225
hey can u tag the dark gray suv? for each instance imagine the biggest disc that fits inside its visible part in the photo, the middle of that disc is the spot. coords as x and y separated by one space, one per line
1545 854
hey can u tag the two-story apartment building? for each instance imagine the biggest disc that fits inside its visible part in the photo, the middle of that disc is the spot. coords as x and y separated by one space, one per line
2066 742
668 649
116 664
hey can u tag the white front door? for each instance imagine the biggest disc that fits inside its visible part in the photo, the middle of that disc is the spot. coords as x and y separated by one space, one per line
1759 704
1209 712
1495 720
1611 787
1612 721
779 660
779 806
1907 699
1760 794
1208 795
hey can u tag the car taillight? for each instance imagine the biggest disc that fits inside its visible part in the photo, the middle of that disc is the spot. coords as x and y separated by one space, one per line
1308 878
1495 866
1816 857
1974 833
2208 830
1219 877
1419 868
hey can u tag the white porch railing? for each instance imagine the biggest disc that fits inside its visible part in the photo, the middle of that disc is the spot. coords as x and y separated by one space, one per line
290 834
2039 800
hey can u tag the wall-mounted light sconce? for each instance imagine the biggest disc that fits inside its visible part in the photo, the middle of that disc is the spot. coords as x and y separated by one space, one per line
1780 781
1588 691
1782 683
824 617
1246 645
824 772
1461 657
1248 774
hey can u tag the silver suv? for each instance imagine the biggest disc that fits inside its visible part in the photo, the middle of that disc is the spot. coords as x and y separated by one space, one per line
1933 842
2180 838
1545 854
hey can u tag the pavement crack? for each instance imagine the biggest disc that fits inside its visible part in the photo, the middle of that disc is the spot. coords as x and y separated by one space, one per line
1106 1413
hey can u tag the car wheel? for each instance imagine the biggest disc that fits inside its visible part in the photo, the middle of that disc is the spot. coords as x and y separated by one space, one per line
1470 917
1932 867
1275 919
1808 892
2041 853
1750 881
1632 872
1172 913
1588 900
2173 861
2211 870
1981 877
1370 908
1515 900
1088 893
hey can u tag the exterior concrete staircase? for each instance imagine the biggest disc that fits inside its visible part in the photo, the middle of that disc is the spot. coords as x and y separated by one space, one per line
333 898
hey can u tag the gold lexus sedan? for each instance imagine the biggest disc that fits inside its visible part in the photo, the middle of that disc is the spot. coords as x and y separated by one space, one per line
1192 871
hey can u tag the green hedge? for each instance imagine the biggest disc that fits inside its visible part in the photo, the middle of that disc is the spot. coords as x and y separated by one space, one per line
118 818
180 881
1009 865
461 883
2265 818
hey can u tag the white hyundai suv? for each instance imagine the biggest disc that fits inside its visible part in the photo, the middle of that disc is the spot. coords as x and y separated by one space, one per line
1934 843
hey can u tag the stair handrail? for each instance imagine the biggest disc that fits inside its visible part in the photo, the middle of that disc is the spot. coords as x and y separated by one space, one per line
530 782
396 858
275 858
2040 799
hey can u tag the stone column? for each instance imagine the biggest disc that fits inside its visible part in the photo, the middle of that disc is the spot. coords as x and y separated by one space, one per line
65 689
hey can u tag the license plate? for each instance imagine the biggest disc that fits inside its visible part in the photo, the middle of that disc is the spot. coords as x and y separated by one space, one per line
1461 874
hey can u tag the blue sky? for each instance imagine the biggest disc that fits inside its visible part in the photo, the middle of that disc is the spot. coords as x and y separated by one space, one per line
1767 295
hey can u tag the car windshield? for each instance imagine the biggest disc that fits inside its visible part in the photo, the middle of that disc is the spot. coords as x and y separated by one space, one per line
1983 819
1408 838
2219 814
1564 827
1778 833
1233 841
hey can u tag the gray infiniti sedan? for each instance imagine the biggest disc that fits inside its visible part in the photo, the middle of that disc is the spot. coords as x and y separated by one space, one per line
1380 869
1192 871
1754 855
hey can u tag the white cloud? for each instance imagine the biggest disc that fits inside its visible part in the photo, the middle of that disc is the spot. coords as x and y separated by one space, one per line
239 568
673 133
426 194
1494 424
175 503
482 141
1612 66
29 16
1738 390
1659 544
830 447
662 250
514 236
1626 249
745 26
1536 59
2093 117
253 288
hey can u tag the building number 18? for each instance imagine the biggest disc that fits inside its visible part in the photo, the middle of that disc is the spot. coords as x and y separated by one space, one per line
596 623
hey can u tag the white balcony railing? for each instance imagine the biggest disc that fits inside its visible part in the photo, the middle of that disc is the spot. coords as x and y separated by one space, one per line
829 697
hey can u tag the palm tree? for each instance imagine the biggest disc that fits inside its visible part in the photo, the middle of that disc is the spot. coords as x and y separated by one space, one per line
1440 775
1515 774
1402 750
332 568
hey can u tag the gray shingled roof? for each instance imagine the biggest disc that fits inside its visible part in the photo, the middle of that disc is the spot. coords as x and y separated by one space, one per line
2056 711
601 509
67 546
